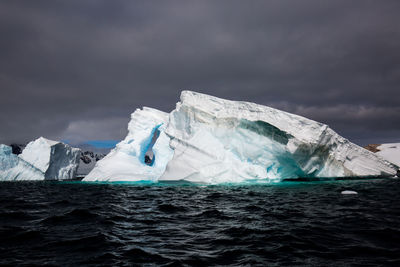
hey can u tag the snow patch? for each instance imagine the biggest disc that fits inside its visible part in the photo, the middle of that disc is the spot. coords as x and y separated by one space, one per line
390 152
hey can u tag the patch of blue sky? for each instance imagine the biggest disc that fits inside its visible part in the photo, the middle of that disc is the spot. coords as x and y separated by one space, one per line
103 143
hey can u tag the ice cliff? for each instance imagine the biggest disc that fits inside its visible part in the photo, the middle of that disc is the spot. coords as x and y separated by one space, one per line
211 140
42 159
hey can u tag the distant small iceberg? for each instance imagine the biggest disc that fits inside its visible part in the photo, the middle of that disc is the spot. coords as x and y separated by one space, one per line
349 192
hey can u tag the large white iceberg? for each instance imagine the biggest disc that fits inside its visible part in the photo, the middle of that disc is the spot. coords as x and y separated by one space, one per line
211 140
42 159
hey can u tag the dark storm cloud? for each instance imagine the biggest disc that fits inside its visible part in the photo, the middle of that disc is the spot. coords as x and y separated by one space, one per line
76 69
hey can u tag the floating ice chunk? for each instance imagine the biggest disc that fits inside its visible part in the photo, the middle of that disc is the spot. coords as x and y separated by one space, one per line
349 192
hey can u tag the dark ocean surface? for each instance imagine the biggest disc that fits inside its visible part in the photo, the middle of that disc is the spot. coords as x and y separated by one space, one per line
291 223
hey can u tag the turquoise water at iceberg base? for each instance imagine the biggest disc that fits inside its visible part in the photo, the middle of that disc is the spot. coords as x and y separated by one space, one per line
183 224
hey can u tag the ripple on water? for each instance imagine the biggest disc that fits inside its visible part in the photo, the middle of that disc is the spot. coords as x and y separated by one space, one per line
284 224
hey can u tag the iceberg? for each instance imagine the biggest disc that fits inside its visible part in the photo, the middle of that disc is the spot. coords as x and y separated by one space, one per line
146 139
42 159
212 140
14 168
349 192
229 141
58 161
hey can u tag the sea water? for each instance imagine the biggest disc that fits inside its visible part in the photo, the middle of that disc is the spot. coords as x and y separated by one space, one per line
290 223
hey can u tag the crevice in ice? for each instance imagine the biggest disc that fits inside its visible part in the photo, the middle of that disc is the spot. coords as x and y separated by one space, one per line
265 129
148 157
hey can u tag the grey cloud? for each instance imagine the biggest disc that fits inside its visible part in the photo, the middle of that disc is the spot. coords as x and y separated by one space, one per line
80 131
65 64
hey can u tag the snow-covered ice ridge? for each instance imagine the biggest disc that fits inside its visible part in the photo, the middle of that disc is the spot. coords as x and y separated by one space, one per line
212 140
42 159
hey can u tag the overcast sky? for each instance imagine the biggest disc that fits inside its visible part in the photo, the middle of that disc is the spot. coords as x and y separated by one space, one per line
75 70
